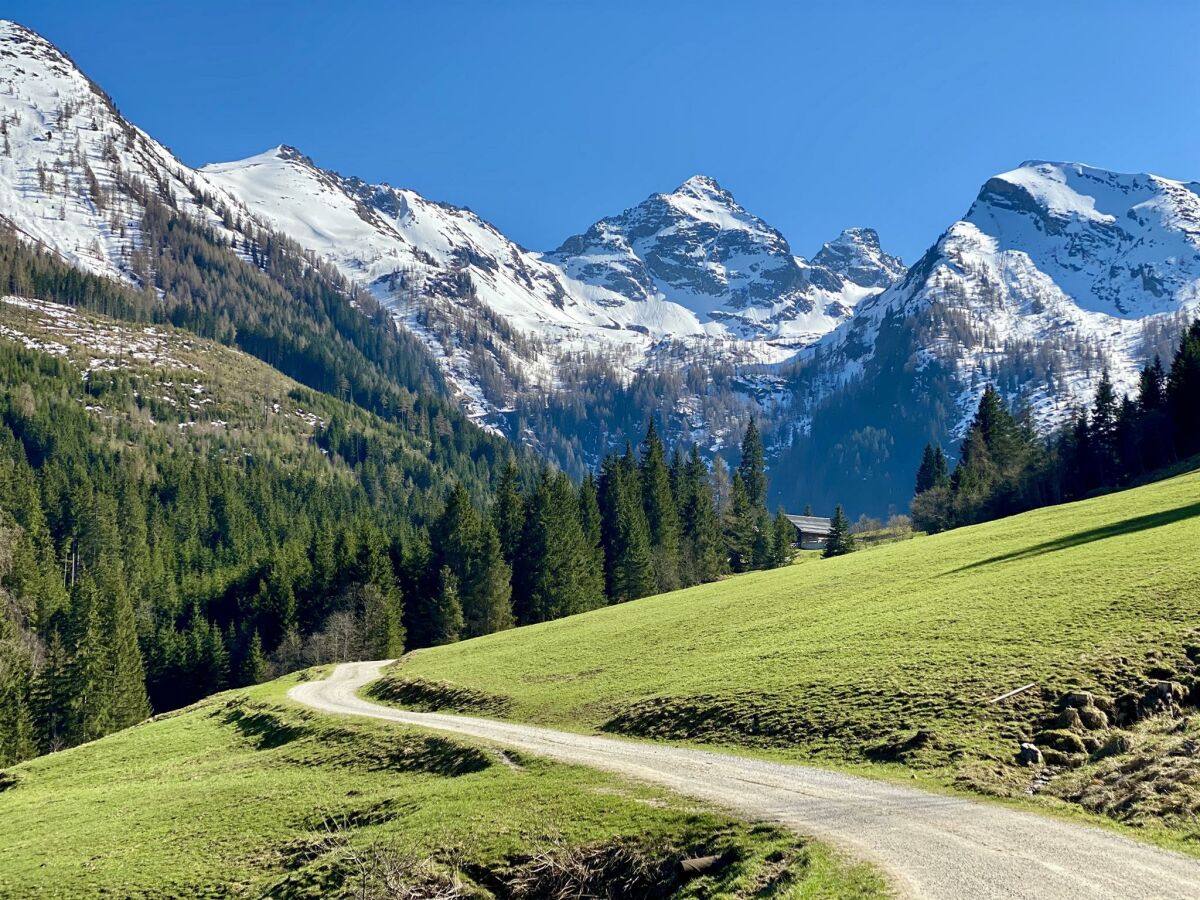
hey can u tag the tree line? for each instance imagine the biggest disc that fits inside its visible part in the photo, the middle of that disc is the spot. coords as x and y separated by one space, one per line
1005 468
145 566
646 524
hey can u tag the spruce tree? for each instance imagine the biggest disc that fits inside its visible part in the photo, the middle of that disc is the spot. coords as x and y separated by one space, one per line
629 564
447 624
752 468
1152 386
783 540
1154 435
702 556
840 540
554 556
51 698
212 665
254 664
1183 392
90 676
508 513
661 518
933 471
487 600
128 704
1104 432
740 528
589 521
382 602
17 739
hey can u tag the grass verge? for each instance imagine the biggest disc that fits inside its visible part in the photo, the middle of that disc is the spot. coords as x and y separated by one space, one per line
891 660
248 795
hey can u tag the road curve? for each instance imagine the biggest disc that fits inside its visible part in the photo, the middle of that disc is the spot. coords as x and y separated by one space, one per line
931 846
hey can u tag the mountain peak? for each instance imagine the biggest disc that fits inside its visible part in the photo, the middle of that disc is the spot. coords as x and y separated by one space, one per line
700 183
288 153
704 187
857 255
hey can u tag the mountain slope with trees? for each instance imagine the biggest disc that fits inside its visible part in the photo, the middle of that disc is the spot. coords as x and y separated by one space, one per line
180 517
1005 467
1058 273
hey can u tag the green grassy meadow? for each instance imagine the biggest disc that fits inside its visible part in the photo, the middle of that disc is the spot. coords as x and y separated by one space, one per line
248 795
888 655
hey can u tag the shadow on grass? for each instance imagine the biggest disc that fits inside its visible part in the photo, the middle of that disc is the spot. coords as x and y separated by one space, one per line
264 728
1116 529
436 696
401 751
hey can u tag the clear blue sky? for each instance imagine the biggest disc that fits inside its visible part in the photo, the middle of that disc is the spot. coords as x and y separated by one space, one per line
546 116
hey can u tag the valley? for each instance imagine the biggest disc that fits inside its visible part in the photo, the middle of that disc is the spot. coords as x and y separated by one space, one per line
698 544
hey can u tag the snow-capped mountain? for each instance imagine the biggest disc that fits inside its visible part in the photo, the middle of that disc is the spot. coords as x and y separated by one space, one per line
686 306
1057 271
72 168
689 269
698 248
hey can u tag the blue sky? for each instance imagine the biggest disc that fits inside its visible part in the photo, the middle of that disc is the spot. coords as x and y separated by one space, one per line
545 116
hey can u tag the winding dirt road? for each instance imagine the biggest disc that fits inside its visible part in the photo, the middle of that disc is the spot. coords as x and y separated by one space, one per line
931 846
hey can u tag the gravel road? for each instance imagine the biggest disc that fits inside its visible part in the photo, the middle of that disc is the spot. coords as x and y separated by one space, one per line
930 845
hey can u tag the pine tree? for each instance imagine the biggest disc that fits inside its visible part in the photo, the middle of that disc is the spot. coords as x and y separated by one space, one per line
740 528
508 513
447 622
661 517
783 540
840 540
254 664
934 471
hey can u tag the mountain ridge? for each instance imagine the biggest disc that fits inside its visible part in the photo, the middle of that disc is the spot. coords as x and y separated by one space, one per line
686 306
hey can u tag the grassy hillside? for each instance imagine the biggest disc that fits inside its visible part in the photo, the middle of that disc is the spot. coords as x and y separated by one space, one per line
159 384
887 655
248 795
